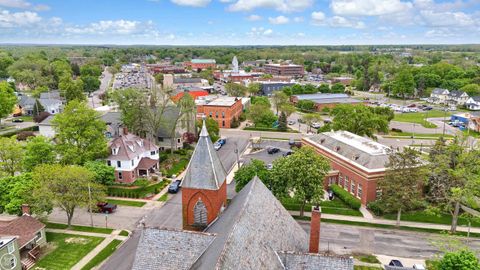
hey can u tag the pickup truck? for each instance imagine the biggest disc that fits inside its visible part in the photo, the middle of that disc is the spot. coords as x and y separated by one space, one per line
107 208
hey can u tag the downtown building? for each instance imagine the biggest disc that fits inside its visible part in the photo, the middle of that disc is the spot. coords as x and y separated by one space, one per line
290 70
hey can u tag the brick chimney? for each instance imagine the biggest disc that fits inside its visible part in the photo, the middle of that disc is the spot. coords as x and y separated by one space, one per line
315 230
26 209
125 130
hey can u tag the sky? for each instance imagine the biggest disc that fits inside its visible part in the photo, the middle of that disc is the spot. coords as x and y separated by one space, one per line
240 22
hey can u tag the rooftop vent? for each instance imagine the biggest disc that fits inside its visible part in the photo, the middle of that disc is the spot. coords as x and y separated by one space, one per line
322 140
356 157
337 148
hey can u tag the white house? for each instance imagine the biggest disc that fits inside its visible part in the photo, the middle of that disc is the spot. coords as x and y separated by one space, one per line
45 128
439 96
132 157
457 98
473 103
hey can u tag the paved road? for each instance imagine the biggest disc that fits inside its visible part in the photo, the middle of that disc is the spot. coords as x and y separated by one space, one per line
227 152
266 134
344 239
94 101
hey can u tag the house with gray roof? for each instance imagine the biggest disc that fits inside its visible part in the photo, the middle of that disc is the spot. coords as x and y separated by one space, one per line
51 105
457 98
439 96
473 103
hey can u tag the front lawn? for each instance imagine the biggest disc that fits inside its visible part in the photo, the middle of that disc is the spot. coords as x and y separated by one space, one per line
335 206
61 226
103 254
126 203
420 117
174 163
66 250
163 198
421 216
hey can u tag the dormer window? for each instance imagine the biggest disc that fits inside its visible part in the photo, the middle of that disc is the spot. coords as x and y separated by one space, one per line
140 143
115 151
131 148
322 140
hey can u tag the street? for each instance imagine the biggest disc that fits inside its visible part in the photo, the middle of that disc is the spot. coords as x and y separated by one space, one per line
94 100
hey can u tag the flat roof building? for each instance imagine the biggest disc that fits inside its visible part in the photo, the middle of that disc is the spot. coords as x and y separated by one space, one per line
284 70
223 109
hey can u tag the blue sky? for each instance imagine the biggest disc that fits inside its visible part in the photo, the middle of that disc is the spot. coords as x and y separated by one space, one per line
239 22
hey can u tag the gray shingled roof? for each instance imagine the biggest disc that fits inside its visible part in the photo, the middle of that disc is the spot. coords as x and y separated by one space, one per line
165 249
456 93
302 261
169 118
112 118
438 91
349 151
204 171
250 231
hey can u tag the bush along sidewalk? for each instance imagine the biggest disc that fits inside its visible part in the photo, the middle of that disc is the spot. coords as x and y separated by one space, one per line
346 197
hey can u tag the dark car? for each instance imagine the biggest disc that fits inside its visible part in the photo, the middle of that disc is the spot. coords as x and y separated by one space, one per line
428 108
288 153
296 145
105 207
273 150
395 263
291 142
17 120
174 187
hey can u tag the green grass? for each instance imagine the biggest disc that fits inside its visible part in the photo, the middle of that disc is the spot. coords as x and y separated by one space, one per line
471 133
25 118
163 198
126 203
335 206
103 254
138 192
367 258
386 226
78 228
124 233
419 117
289 130
361 267
178 167
421 216
68 250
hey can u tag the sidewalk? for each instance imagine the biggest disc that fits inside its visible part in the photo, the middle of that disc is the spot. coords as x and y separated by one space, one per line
392 222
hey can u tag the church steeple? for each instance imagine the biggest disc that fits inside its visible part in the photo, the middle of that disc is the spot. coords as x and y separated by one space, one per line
204 190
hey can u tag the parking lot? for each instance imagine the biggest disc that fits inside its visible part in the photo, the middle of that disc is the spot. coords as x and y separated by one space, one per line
263 154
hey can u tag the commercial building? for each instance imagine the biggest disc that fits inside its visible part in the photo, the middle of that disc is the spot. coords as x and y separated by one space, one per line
164 69
200 64
268 87
325 100
357 163
222 109
284 70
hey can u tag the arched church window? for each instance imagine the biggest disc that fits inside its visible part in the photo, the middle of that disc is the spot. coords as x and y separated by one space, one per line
200 213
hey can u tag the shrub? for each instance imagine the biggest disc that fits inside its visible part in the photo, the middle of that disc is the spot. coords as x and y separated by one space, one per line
141 182
23 135
396 130
376 207
346 197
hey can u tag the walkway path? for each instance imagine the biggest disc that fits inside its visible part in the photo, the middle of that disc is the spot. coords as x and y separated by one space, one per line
391 222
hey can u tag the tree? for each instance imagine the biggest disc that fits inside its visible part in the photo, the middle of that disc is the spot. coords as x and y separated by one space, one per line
7 100
235 89
403 84
37 108
288 109
103 174
80 134
260 100
324 88
459 260
338 88
302 174
90 83
402 185
310 118
359 119
248 171
212 128
159 78
132 106
254 88
279 98
282 122
5 61
71 89
261 115
11 153
90 70
471 89
453 177
306 105
15 191
66 187
39 150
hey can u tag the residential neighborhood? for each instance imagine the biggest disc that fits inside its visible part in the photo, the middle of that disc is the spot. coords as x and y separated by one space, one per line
240 135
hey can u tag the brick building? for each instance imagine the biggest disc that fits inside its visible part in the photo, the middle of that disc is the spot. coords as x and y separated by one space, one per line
162 68
284 70
323 100
200 64
204 187
222 109
132 157
356 162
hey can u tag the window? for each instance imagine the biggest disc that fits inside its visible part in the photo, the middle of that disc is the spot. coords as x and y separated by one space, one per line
211 114
346 183
160 139
353 188
223 114
119 164
120 176
223 123
359 194
11 247
152 153
340 179
38 236
133 163
200 213
216 114
109 163
13 262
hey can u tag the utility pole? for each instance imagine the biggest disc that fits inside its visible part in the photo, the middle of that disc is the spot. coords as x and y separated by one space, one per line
236 152
90 205
444 116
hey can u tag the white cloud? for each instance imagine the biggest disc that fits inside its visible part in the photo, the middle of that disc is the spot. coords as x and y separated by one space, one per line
301 34
18 19
254 18
226 1
439 33
108 27
338 21
191 3
279 20
318 17
23 5
259 31
455 19
267 32
368 7
298 19
280 5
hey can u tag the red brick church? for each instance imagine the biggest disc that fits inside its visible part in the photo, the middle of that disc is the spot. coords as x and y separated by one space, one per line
204 187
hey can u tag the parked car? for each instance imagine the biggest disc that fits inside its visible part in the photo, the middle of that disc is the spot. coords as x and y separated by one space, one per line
427 108
222 141
291 142
107 208
174 187
412 105
269 166
315 125
296 145
291 122
217 146
17 120
395 263
288 153
273 150
419 266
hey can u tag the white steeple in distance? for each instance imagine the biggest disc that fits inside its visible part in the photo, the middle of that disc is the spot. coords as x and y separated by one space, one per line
235 64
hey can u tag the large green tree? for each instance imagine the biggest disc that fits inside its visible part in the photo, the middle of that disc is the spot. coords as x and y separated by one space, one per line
5 61
90 84
80 134
103 174
7 100
279 99
71 89
38 150
403 84
66 187
248 171
402 185
15 191
261 115
11 153
236 90
302 174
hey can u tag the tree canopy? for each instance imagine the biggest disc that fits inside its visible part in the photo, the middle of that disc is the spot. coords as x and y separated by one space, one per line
7 99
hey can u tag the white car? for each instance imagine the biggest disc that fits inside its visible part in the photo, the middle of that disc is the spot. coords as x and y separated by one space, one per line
315 125
418 266
217 146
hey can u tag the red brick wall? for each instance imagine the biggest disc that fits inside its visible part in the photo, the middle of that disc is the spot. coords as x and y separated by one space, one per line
127 176
230 112
213 200
368 180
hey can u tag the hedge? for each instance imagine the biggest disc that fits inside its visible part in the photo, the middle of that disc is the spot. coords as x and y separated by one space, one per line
16 131
346 197
136 193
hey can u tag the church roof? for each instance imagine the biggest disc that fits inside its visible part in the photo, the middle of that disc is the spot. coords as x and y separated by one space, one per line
204 171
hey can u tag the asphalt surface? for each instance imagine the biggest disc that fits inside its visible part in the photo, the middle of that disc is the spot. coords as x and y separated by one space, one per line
344 239
94 101
263 155
227 153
